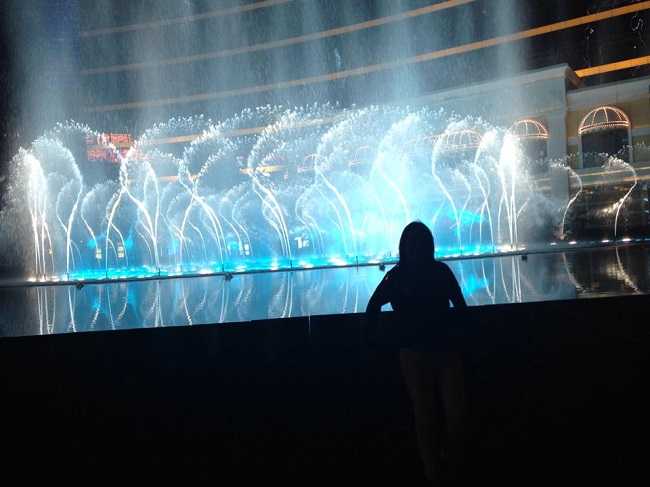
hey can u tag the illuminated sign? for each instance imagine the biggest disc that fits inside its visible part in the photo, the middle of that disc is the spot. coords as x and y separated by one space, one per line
107 147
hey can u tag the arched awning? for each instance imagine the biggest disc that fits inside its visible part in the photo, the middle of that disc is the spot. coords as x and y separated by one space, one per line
604 118
529 129
458 140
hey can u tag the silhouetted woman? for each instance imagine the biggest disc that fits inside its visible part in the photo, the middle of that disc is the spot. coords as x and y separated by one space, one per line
420 289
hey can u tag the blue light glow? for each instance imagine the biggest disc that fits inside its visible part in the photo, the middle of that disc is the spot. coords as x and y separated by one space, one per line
218 215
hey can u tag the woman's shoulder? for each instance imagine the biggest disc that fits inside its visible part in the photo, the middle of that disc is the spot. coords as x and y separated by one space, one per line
393 273
440 265
441 268
434 268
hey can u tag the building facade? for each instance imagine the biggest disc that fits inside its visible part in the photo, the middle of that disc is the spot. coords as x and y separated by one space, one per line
142 65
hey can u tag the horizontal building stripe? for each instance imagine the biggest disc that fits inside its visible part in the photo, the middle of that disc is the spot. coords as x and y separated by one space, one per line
184 19
611 67
256 130
374 68
291 41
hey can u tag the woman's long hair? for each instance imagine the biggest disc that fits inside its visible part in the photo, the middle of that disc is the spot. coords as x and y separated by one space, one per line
416 246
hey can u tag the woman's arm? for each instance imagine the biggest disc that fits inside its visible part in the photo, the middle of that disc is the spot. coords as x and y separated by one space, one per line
380 297
455 293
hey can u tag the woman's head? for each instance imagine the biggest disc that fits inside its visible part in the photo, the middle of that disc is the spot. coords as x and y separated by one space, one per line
416 244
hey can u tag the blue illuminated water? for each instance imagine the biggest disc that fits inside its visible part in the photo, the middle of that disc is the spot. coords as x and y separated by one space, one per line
255 265
311 187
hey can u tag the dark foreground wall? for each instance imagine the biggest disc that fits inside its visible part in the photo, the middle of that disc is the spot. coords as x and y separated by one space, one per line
557 392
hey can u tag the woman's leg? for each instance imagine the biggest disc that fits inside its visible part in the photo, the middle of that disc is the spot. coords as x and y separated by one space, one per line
452 390
420 379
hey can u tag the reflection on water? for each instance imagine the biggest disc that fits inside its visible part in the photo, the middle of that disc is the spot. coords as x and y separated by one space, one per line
202 300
